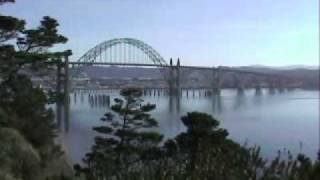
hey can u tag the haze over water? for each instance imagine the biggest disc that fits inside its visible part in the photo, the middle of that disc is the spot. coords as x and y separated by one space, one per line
275 122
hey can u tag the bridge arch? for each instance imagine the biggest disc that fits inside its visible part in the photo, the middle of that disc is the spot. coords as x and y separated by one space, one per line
123 51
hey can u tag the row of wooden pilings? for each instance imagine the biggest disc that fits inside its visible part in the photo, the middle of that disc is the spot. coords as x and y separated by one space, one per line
185 92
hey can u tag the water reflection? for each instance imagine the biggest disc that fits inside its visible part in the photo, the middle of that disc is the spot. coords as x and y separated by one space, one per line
103 100
245 115
272 91
99 101
257 99
174 104
217 104
240 100
81 98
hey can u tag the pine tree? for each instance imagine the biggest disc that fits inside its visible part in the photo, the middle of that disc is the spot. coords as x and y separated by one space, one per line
125 140
23 107
25 103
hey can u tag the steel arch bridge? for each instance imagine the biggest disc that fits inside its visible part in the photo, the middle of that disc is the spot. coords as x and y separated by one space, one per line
123 51
133 52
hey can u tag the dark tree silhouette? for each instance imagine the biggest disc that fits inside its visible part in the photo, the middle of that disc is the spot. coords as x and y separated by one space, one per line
125 141
29 150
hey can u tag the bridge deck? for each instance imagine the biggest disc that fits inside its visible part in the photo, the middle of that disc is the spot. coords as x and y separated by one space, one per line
186 67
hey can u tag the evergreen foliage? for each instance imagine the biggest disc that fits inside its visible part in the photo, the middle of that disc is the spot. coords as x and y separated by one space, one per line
202 152
27 127
125 139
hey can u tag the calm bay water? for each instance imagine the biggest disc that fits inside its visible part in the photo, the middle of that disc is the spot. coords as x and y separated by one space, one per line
288 120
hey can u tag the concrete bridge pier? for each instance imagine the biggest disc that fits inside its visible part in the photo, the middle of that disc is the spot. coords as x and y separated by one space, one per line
289 88
280 89
280 86
208 92
171 78
257 86
75 98
258 89
240 89
216 90
58 91
81 98
239 84
144 92
174 79
178 88
216 84
66 90
271 88
63 90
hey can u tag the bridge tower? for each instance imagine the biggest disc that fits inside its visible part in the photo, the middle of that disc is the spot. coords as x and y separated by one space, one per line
174 78
239 84
170 78
257 86
63 89
271 85
216 84
59 103
178 88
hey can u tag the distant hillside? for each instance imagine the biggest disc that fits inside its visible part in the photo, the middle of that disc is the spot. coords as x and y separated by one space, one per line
114 72
291 67
309 77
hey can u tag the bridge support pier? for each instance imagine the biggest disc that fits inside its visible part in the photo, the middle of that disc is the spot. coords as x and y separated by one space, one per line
178 87
280 86
171 78
63 80
216 84
258 89
58 92
271 89
174 79
66 92
240 89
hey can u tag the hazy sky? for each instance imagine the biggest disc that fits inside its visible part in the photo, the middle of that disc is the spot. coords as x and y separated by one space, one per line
200 32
